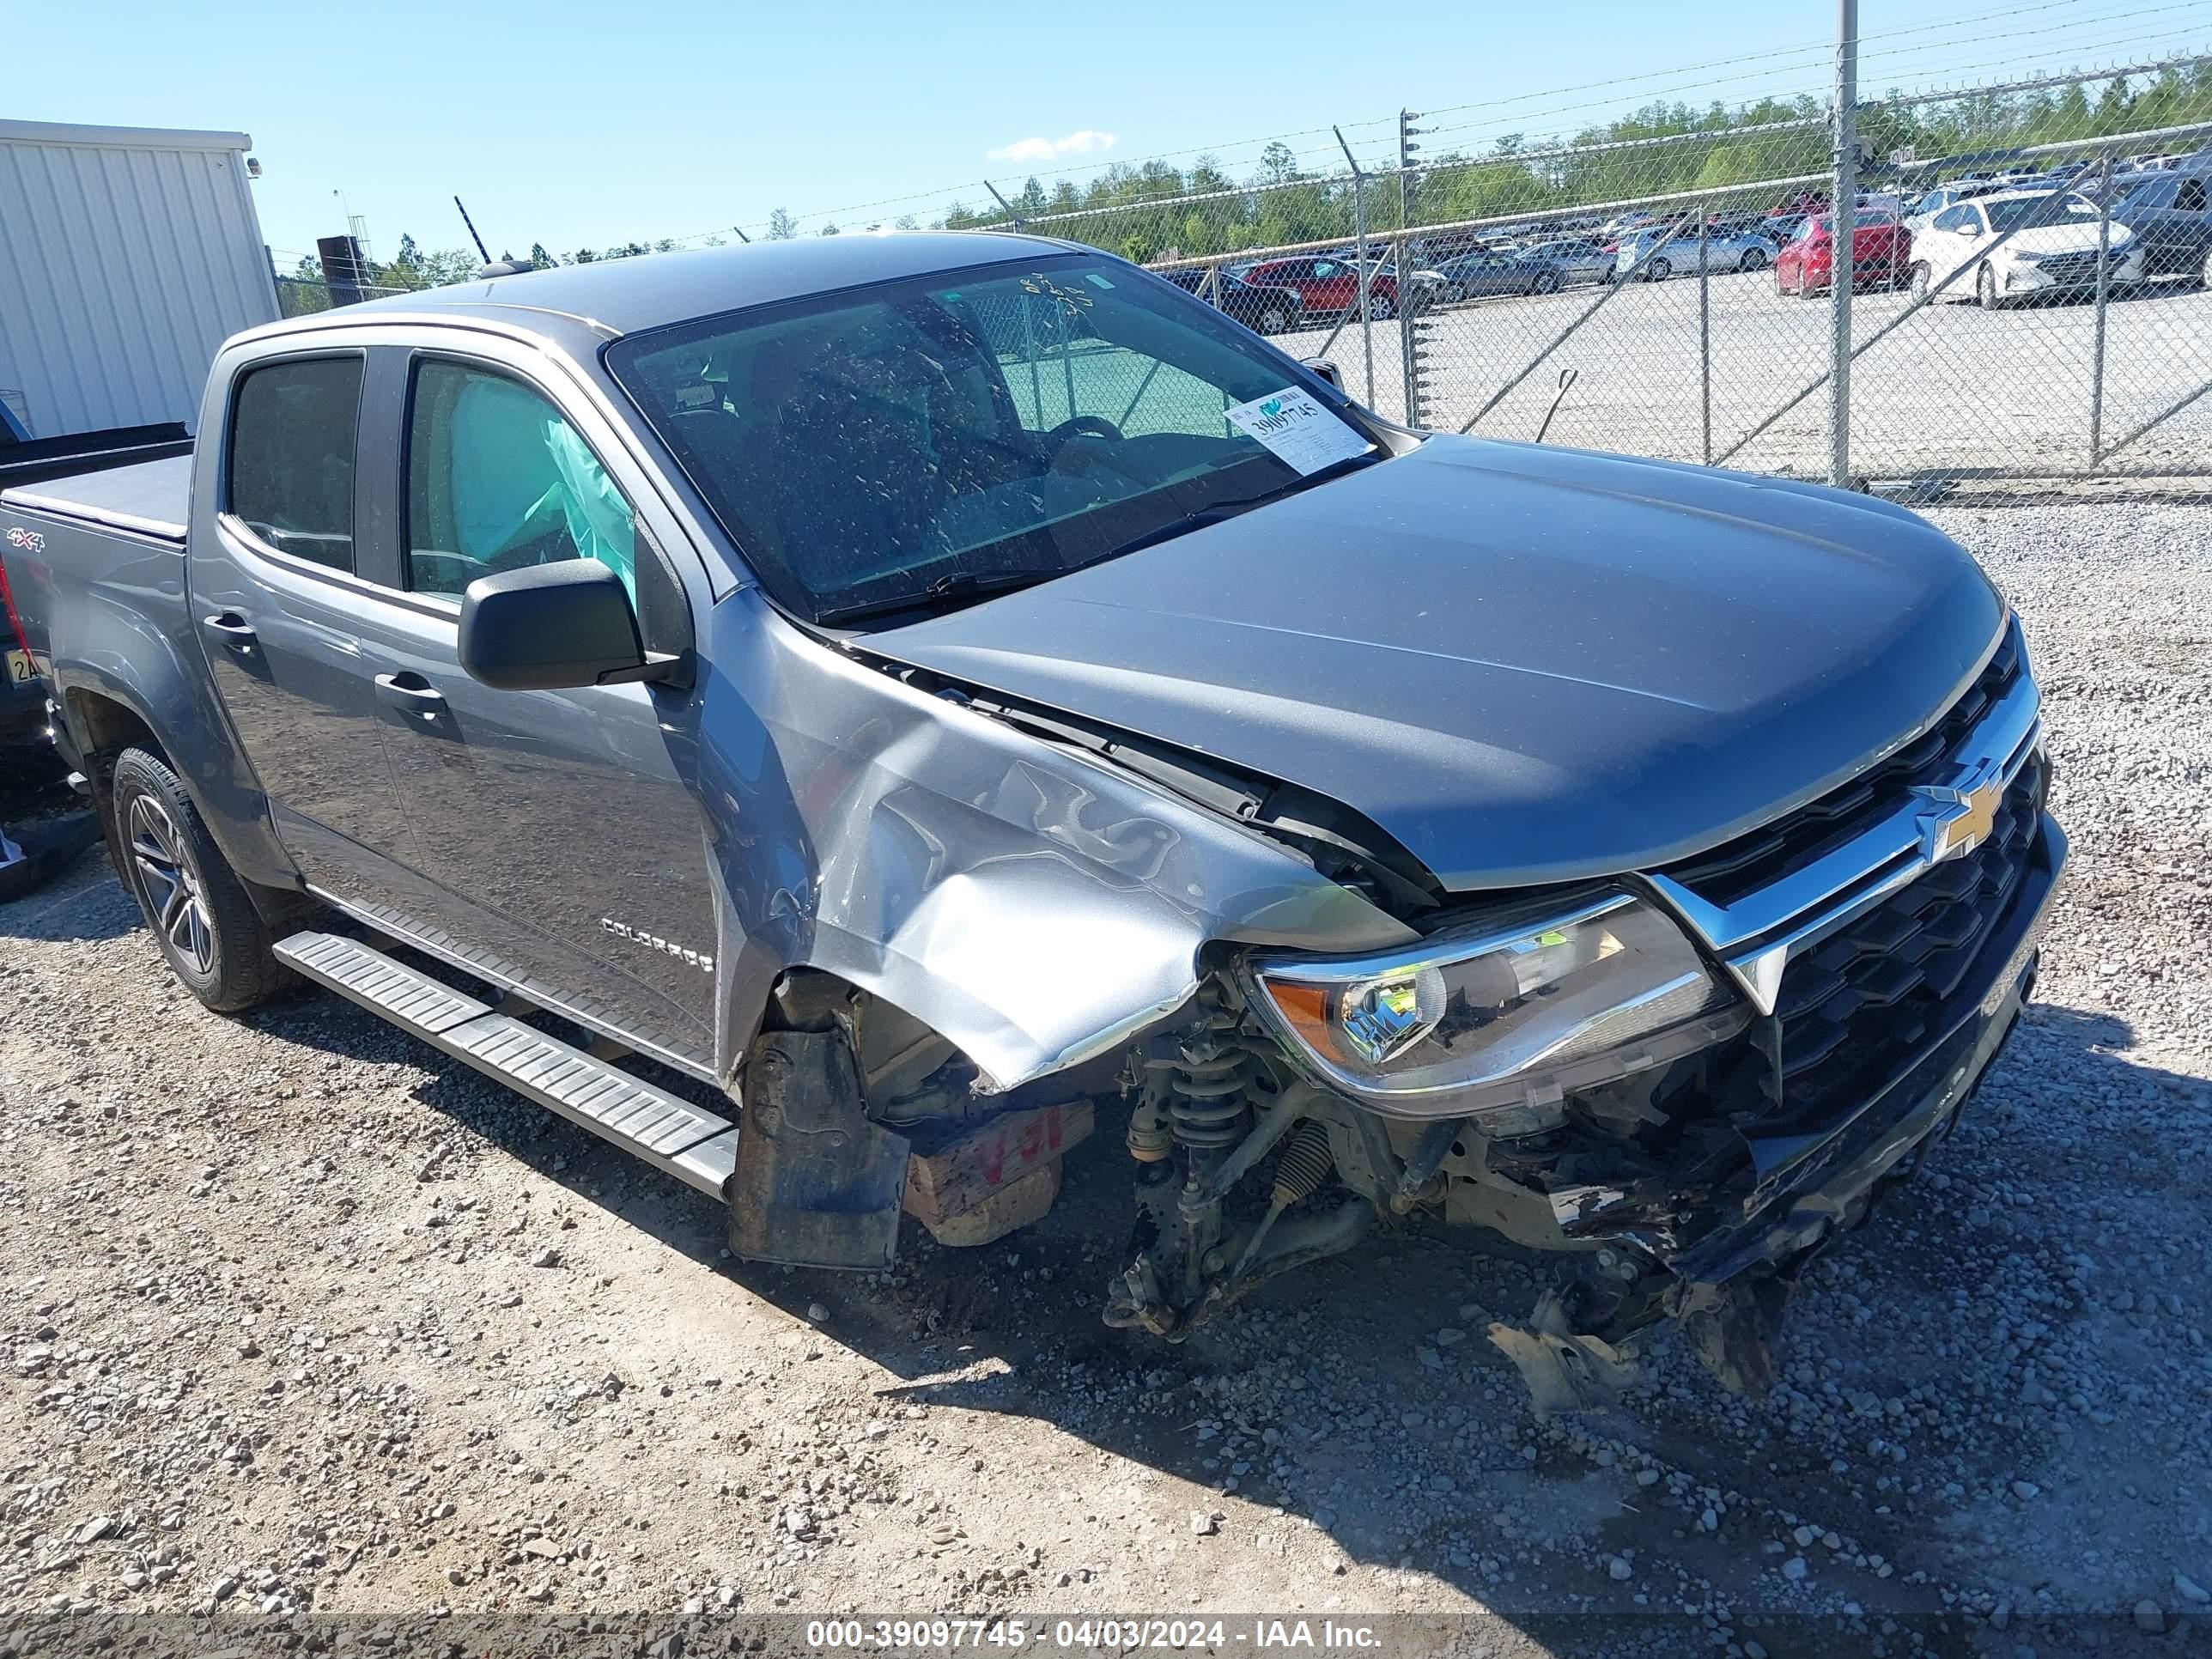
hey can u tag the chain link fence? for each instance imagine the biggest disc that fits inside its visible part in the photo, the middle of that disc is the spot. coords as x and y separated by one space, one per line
2028 304
2027 308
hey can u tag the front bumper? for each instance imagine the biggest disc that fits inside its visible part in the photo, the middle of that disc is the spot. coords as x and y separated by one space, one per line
1726 1264
2069 274
1830 1186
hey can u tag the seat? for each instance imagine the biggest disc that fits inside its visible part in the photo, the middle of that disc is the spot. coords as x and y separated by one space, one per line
853 485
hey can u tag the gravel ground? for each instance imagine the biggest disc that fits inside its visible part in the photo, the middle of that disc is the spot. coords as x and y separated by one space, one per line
1952 389
298 1317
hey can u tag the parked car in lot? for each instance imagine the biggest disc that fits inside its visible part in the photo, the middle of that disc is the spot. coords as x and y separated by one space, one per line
1263 310
1542 268
1780 229
1742 250
2019 244
2170 217
1574 260
1925 207
908 686
1881 255
1330 286
1326 286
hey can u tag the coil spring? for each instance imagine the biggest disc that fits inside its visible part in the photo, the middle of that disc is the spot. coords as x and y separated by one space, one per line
1208 1084
1305 1163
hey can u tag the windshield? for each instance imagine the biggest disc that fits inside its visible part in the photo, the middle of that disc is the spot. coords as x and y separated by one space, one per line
2018 212
914 442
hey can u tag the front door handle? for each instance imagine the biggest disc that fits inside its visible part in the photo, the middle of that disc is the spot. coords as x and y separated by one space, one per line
232 629
411 694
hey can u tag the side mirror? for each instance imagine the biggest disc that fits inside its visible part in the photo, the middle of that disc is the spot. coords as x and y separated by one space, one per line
1326 369
550 628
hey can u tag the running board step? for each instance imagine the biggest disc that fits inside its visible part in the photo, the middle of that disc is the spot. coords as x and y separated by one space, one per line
695 1146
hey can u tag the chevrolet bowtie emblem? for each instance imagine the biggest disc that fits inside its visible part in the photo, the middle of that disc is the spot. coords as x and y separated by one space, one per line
1962 817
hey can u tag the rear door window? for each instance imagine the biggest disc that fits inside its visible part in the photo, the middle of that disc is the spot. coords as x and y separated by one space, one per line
497 479
2190 199
291 462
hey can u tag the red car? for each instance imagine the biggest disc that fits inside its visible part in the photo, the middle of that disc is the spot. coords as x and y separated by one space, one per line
1328 284
1882 255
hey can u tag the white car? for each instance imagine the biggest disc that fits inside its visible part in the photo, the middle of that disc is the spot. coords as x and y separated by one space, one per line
1920 214
2018 244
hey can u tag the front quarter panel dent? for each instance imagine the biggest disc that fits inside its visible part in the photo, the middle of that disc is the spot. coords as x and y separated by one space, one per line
1033 906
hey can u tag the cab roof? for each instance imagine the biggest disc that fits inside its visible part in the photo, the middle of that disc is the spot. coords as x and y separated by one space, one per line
626 296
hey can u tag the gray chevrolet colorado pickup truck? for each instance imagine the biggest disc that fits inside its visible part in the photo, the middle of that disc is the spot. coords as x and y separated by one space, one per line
900 684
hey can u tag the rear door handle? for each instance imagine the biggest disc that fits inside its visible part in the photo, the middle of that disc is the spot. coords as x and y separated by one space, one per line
411 694
232 629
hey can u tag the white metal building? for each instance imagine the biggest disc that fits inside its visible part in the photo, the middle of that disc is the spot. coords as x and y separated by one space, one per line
127 255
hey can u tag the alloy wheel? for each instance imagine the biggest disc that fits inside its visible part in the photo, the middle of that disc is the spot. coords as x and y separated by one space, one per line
171 884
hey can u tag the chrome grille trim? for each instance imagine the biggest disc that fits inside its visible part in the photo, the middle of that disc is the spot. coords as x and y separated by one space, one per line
1756 936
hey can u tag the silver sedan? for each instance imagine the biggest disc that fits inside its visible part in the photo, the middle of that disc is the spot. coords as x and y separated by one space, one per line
1733 250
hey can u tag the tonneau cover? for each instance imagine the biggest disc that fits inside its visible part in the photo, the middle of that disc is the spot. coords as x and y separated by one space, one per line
149 498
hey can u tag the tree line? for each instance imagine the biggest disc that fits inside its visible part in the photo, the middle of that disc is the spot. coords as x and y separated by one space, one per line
1145 212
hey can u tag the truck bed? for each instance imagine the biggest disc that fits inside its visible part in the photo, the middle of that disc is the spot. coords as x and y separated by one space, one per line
148 499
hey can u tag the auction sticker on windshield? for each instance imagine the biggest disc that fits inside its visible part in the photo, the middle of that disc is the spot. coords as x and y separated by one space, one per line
1296 430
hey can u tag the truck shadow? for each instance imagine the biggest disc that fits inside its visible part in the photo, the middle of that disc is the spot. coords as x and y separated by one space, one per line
67 891
1357 1403
51 830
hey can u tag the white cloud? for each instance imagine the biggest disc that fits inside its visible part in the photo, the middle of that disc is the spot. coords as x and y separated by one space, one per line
1085 142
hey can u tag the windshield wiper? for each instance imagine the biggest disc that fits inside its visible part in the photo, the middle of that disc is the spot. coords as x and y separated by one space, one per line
962 585
1214 513
958 584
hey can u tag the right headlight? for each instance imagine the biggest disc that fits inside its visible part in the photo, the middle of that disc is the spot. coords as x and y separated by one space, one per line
1504 1012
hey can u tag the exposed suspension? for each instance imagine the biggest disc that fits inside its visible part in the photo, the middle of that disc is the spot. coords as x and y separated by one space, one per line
1207 1082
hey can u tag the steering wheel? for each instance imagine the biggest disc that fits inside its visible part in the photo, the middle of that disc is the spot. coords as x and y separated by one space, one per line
1059 443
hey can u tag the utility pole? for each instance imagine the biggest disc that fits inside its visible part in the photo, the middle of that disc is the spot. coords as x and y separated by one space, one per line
1843 241
1359 231
1409 363
1408 148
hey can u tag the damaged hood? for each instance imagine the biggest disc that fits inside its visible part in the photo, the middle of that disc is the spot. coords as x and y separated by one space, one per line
1527 664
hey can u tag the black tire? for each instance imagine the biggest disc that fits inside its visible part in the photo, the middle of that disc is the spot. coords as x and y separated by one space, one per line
1379 309
1272 319
2204 270
1985 289
1545 282
216 942
1753 258
1658 271
1921 279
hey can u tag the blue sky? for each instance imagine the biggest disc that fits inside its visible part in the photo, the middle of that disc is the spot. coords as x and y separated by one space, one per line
575 124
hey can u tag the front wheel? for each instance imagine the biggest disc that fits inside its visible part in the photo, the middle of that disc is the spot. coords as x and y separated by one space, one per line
1922 280
1753 259
1985 289
216 941
1657 271
1547 282
1380 310
1273 319
2204 271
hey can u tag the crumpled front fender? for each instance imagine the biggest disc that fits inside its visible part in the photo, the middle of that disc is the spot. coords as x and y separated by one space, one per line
1033 905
